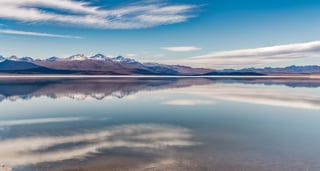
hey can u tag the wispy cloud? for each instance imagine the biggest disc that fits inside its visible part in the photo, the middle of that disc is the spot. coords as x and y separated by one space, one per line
288 51
182 48
253 57
138 15
27 33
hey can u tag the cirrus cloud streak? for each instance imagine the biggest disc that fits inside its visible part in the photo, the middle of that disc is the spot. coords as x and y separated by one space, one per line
130 16
26 33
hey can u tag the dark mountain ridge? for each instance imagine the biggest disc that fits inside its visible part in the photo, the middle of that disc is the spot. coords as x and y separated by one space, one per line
9 65
21 67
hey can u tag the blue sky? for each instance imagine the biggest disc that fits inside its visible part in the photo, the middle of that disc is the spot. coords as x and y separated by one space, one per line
215 33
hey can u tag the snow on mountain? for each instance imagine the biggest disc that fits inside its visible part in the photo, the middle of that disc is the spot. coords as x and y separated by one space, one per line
117 65
26 59
13 58
100 57
78 57
122 59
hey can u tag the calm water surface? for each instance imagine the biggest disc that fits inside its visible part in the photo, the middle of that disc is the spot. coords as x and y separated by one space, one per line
215 124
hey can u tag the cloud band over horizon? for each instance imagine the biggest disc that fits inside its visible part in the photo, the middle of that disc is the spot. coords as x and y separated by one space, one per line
252 57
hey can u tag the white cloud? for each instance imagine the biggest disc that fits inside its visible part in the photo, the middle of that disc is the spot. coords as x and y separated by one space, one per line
17 32
138 15
188 102
182 48
253 57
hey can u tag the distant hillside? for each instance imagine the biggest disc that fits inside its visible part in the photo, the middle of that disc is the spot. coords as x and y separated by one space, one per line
311 69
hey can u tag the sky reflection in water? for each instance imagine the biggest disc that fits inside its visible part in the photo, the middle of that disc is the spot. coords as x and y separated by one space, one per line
169 124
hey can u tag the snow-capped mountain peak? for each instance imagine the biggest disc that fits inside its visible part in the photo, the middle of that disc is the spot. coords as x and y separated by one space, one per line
122 59
13 58
99 56
78 57
26 59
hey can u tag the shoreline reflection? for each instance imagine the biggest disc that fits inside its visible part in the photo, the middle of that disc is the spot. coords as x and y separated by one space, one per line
99 89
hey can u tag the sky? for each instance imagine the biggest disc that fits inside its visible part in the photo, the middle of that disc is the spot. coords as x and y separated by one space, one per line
199 33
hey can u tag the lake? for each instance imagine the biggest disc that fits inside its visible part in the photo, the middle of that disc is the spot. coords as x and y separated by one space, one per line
151 124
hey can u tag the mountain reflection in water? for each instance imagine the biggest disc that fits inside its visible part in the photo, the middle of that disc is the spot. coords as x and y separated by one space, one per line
190 124
233 89
97 88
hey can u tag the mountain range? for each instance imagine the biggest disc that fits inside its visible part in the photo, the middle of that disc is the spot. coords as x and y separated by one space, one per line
100 64
94 65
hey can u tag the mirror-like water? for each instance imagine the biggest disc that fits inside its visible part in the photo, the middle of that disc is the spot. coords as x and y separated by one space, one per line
216 124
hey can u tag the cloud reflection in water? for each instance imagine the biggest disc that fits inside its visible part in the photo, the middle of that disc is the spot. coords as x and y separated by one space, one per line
40 121
34 150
